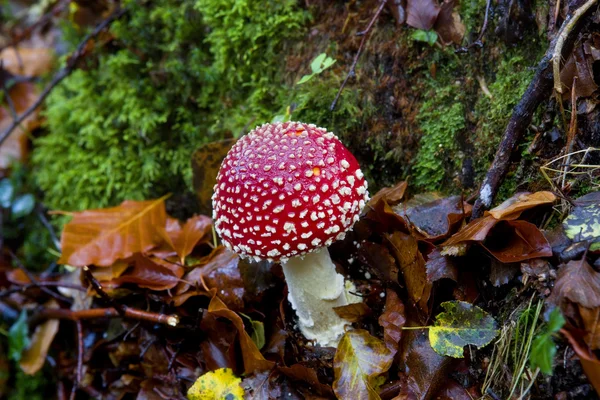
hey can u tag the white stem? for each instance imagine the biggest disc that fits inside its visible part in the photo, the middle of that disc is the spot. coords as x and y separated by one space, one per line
314 289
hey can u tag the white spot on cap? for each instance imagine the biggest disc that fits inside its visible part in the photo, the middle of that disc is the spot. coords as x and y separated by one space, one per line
345 165
316 199
278 209
297 187
359 174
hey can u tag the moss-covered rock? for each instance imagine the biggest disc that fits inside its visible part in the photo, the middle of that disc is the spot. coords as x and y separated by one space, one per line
179 73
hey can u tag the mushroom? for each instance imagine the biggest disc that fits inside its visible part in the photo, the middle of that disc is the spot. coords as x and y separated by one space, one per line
284 193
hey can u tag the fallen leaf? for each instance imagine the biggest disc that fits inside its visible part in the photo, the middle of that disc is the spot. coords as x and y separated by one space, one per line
219 384
422 14
16 146
452 391
299 372
501 273
183 239
258 386
148 273
353 312
392 320
391 195
206 162
513 207
360 358
434 219
253 359
102 236
27 61
218 349
591 324
439 266
379 260
578 282
583 223
448 24
589 361
34 356
459 325
412 265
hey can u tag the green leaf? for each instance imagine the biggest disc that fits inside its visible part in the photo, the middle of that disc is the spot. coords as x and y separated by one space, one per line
219 384
258 333
22 206
6 192
429 37
543 349
461 324
305 79
315 65
18 339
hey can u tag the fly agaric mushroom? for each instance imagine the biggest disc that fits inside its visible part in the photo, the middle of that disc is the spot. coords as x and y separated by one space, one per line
284 193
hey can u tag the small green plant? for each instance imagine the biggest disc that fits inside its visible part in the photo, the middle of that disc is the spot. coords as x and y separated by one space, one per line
18 337
543 348
429 37
318 65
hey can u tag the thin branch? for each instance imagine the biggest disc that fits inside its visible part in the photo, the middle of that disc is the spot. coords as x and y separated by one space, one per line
103 295
539 90
79 371
63 73
95 313
479 41
352 71
40 284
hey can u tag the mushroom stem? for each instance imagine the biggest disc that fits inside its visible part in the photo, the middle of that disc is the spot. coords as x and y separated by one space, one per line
314 289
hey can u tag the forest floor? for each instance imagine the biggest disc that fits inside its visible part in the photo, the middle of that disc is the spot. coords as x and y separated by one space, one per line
476 259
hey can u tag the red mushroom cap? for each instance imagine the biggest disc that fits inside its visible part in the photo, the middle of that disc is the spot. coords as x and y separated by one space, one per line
287 189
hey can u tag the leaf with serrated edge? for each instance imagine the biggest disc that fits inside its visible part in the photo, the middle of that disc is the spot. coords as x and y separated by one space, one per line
461 324
360 358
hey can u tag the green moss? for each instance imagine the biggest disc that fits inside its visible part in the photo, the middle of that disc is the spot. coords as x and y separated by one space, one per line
180 73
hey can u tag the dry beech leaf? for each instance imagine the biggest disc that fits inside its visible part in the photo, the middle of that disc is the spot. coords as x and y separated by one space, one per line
360 358
392 320
513 208
27 61
16 146
183 239
391 195
101 237
412 265
34 357
353 312
578 282
421 14
253 359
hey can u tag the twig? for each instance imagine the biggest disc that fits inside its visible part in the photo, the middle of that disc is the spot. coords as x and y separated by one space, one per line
539 89
94 313
79 371
39 284
478 42
63 73
352 71
565 30
103 295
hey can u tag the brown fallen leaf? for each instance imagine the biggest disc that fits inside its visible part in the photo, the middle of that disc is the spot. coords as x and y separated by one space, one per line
253 359
27 61
183 239
102 236
392 320
422 14
434 219
16 146
391 195
412 265
353 312
578 282
299 372
34 356
359 359
439 266
589 361
591 324
448 24
513 207
151 273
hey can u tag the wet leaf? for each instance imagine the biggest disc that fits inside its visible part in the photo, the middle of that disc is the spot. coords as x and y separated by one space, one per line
206 162
253 359
543 348
461 324
149 273
391 195
183 239
101 237
421 14
412 265
589 361
513 207
392 320
434 219
440 267
379 260
353 312
360 358
584 221
578 282
219 384
34 356
27 61
18 337
299 372
449 25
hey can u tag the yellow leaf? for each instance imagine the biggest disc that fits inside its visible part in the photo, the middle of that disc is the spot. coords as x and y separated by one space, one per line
221 384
